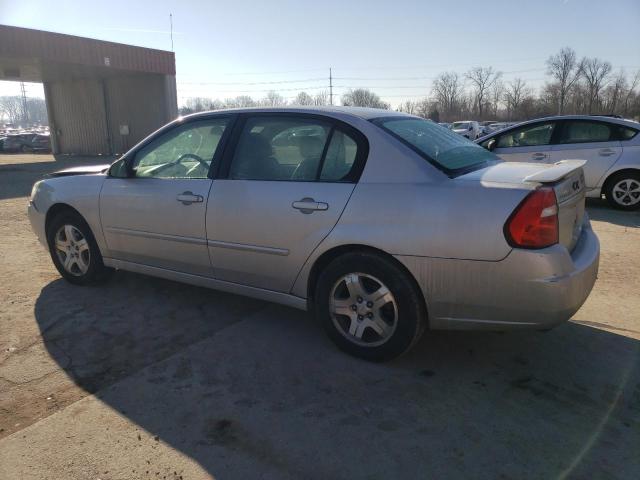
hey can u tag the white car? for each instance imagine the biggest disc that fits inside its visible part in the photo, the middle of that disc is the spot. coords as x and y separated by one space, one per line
467 128
610 146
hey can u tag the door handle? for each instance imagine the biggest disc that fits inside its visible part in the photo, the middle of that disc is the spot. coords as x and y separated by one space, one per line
187 198
539 156
606 152
309 205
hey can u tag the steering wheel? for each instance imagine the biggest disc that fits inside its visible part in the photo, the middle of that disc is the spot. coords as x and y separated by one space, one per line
198 159
195 157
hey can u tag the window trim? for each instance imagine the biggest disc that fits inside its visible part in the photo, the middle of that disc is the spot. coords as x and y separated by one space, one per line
362 144
130 156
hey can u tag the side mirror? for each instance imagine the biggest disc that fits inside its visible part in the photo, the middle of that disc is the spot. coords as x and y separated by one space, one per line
118 169
491 145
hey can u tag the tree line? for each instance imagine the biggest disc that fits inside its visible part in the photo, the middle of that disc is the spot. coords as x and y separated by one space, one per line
12 110
574 86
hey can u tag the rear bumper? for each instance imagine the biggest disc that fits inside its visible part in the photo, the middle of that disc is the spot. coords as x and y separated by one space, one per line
527 289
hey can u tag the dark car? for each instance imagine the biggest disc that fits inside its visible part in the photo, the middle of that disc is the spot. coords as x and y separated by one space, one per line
26 142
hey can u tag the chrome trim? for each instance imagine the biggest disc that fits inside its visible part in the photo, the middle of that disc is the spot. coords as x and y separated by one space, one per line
200 281
249 248
157 236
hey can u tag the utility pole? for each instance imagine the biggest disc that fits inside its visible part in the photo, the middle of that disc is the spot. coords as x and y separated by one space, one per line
25 111
171 29
330 88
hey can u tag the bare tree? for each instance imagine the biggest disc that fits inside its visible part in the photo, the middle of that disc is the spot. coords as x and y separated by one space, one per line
482 80
409 106
274 99
515 93
303 98
361 97
595 73
11 108
631 92
321 98
497 96
615 91
447 92
566 70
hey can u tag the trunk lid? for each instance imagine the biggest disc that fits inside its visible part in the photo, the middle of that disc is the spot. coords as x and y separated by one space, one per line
565 177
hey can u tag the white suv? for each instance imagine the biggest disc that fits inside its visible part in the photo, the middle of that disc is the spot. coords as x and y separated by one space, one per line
611 147
467 128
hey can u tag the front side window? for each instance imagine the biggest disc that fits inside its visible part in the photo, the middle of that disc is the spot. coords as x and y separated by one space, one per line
527 136
185 151
447 150
576 131
292 148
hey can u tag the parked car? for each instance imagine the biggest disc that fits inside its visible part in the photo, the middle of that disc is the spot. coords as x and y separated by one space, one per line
610 146
469 129
395 226
445 125
26 142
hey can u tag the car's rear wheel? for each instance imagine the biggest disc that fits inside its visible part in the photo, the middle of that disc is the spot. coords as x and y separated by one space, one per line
622 191
74 250
369 306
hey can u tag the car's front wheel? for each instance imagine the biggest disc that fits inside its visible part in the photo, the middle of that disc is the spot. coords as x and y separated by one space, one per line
74 250
369 306
622 191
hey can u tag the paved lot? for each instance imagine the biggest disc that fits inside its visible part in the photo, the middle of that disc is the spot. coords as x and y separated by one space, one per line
146 378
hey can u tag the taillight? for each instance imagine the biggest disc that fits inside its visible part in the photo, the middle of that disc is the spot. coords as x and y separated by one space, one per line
534 223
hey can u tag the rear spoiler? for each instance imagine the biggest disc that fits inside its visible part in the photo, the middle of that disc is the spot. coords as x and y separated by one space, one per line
558 171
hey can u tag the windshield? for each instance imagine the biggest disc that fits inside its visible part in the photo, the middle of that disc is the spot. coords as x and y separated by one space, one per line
446 150
459 125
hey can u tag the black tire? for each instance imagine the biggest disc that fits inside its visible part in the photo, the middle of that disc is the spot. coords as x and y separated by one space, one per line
96 271
615 179
410 314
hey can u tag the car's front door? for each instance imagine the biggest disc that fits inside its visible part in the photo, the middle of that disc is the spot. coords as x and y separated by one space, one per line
529 143
588 140
156 216
284 188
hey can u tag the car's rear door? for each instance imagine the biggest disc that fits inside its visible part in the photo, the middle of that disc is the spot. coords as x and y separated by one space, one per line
590 140
283 187
528 143
156 216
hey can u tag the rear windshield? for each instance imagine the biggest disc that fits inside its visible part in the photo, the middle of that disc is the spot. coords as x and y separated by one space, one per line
445 149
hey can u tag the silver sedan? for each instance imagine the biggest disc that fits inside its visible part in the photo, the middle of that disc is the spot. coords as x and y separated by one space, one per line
380 223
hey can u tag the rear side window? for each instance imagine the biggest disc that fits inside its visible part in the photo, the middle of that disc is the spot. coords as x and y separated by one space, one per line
578 131
527 136
625 133
444 148
282 148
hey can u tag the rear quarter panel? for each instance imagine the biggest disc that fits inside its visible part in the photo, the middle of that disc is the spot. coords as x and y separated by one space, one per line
442 218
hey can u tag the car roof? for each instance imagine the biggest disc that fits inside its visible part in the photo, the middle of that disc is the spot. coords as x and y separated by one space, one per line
602 118
359 112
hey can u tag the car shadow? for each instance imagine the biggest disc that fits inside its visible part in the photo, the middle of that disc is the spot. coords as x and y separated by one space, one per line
599 210
249 389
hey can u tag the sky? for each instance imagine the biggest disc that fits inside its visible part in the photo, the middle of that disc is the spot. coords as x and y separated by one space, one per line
247 47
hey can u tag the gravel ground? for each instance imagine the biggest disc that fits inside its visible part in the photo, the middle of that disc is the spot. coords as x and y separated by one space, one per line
146 378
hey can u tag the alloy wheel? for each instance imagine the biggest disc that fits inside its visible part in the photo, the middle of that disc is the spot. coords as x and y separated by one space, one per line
363 309
626 192
72 250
